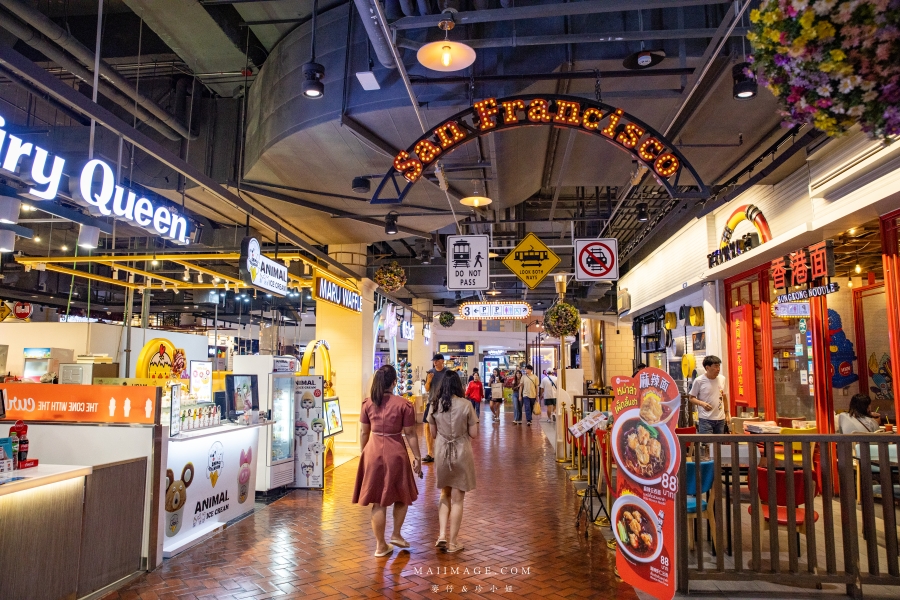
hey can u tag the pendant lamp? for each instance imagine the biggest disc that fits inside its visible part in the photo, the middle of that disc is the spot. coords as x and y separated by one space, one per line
446 55
313 72
475 200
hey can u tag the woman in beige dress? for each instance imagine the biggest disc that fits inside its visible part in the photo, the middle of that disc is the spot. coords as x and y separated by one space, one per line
453 424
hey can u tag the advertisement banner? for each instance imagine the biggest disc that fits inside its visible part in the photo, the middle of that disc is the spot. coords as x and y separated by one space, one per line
201 380
209 481
647 454
740 345
73 403
309 432
261 272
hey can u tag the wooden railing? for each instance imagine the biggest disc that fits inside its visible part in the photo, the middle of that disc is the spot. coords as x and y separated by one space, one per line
847 544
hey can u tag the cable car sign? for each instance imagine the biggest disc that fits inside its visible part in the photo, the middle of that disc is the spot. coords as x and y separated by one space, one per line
531 260
628 133
467 262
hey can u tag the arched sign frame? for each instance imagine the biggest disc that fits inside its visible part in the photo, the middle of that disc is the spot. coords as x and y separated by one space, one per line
626 132
311 348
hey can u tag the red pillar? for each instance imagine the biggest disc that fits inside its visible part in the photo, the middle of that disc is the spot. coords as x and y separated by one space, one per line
891 261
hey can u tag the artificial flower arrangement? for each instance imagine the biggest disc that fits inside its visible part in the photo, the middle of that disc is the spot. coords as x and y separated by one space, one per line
832 64
391 276
561 320
446 319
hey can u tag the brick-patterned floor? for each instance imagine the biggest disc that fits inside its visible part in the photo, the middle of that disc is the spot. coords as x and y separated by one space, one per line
319 545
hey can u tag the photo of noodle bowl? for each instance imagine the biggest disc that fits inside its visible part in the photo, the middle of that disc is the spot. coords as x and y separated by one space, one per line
644 452
637 529
655 408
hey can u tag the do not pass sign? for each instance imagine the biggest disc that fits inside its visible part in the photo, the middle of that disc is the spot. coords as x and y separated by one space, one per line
467 262
597 259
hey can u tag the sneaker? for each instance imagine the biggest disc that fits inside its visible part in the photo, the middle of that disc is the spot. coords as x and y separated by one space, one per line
529 423
517 422
554 418
428 459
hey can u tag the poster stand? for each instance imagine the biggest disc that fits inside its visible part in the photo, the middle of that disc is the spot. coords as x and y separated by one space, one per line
587 501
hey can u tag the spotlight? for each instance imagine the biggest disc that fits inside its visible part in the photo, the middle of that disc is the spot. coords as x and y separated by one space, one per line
199 277
745 86
390 223
426 257
187 275
642 215
312 80
64 248
36 238
88 236
361 185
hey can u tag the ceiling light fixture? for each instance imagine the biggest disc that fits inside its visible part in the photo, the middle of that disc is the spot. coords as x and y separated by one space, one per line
849 280
476 199
187 275
446 55
64 248
745 86
361 185
643 59
199 277
642 215
313 72
88 236
154 262
390 223
36 238
493 291
858 268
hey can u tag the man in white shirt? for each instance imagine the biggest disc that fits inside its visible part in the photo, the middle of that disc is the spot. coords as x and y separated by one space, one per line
708 395
548 395
528 392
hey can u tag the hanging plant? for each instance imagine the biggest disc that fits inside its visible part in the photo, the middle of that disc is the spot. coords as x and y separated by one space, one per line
831 64
561 320
446 319
391 277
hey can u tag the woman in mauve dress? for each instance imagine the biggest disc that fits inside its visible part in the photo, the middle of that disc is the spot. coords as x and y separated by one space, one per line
454 424
384 477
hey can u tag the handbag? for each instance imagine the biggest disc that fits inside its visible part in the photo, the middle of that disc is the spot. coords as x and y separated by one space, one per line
537 407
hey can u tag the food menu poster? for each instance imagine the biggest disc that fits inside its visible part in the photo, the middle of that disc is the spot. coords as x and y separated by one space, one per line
647 454
175 411
201 380
309 432
72 403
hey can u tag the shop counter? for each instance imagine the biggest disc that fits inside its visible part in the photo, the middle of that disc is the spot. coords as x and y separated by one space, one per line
209 480
26 479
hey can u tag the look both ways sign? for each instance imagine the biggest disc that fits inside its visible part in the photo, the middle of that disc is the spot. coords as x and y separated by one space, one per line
647 455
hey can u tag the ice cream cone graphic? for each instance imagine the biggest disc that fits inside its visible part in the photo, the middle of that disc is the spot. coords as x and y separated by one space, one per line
127 407
253 272
244 475
112 407
148 408
214 477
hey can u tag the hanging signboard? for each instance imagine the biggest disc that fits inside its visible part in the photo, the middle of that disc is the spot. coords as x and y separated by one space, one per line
457 348
494 310
407 330
531 260
309 431
23 310
334 293
792 310
597 259
261 272
645 413
805 268
467 262
740 345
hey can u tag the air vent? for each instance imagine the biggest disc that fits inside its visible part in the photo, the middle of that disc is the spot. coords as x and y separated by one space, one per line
623 302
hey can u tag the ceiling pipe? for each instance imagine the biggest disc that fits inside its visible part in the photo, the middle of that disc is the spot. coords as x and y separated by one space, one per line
381 45
32 38
425 7
63 38
591 75
408 7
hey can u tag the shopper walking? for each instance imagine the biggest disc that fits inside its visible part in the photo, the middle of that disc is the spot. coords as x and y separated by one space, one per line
432 383
516 397
529 392
475 393
548 395
496 387
454 424
708 395
384 477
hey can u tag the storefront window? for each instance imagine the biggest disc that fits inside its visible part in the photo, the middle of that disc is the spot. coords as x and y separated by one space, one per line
792 360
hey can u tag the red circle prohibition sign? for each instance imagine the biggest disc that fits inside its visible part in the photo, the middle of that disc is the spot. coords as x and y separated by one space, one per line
604 265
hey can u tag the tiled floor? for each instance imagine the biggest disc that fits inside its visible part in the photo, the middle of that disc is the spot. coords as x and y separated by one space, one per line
518 532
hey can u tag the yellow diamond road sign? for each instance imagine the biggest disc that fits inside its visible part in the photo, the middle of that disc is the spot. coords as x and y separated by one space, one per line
5 311
531 260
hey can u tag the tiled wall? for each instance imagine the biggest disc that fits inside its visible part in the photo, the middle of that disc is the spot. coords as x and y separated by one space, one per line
618 353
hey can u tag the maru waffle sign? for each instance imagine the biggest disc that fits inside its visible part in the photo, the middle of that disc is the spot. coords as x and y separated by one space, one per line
329 291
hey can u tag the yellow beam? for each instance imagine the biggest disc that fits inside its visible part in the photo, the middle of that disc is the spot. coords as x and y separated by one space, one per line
210 272
92 276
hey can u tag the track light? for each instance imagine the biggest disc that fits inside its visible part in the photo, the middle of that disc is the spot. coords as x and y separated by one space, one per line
745 86
426 257
642 215
361 185
187 275
199 277
313 72
390 223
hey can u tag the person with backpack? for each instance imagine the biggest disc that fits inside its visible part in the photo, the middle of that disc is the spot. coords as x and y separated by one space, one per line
548 395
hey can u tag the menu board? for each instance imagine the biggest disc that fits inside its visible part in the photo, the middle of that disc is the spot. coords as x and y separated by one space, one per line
73 403
334 424
201 381
309 431
647 454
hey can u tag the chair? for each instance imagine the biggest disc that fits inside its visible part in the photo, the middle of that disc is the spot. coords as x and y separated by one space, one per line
687 431
795 446
707 472
800 514
876 469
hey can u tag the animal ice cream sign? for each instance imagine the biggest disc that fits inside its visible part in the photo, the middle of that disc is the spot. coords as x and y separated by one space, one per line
96 188
261 272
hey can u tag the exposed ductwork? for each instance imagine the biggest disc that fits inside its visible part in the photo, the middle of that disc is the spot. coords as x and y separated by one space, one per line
63 38
408 7
425 7
380 43
29 36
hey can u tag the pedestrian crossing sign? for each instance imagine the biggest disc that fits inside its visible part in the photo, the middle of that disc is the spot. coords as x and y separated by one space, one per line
531 260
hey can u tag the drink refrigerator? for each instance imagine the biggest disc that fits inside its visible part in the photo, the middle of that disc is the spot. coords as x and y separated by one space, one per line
40 361
275 374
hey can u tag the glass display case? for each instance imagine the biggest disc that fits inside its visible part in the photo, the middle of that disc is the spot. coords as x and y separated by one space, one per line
282 398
